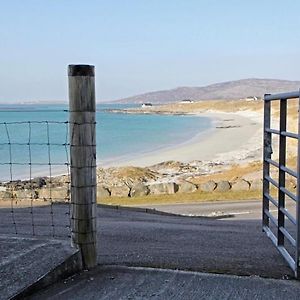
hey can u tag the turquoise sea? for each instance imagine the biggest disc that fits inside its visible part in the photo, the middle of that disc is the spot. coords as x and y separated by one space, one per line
119 136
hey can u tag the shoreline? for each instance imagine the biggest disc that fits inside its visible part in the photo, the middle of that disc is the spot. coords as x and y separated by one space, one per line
242 129
223 158
234 138
124 160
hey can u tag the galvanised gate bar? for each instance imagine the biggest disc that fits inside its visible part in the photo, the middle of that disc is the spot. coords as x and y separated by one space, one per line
281 208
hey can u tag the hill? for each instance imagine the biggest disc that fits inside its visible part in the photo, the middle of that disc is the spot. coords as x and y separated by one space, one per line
225 90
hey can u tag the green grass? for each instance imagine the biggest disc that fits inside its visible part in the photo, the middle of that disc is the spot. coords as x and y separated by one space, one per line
182 198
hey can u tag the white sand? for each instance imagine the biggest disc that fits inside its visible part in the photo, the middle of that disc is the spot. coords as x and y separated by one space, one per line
236 138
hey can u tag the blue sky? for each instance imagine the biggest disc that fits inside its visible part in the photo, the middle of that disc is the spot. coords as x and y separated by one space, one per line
142 45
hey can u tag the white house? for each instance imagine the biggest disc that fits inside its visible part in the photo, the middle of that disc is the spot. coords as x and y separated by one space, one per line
147 104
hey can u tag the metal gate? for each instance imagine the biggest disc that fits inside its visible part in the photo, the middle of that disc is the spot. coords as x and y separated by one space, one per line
281 206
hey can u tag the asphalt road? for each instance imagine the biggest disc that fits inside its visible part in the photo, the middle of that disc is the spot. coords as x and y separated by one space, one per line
237 210
131 238
200 244
232 246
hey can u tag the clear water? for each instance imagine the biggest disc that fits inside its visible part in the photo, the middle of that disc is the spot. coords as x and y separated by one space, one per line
119 136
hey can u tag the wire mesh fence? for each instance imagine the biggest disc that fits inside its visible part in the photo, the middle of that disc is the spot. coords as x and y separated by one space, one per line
35 174
48 181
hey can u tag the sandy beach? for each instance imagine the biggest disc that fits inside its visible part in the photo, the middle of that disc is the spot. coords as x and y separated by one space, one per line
218 159
234 138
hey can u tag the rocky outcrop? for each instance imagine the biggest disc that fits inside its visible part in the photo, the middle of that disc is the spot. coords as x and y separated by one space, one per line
58 180
33 184
163 188
5 195
240 185
139 190
119 191
55 194
291 183
223 186
256 184
208 186
26 194
186 187
126 176
102 192
168 177
173 167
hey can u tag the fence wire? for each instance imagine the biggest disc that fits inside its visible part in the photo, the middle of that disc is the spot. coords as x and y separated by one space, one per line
34 200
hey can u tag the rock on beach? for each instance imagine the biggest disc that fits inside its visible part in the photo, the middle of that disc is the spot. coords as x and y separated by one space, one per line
163 188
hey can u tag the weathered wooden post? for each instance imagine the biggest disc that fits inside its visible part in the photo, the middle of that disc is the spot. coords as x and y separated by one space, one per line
82 108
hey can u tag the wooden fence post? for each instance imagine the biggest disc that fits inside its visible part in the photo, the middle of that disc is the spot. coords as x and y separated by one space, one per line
82 106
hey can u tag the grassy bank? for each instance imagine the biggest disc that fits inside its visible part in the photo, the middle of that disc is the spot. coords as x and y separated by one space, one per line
178 198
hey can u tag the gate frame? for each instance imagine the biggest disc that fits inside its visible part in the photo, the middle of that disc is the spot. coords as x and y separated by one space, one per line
282 232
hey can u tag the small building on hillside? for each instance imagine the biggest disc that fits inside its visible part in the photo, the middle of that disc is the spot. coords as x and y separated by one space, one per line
253 98
184 101
147 104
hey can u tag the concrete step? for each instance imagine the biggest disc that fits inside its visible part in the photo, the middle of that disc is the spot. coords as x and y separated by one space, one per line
30 263
117 282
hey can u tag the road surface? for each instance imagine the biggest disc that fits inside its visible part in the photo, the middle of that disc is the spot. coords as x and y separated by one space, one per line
235 210
131 238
